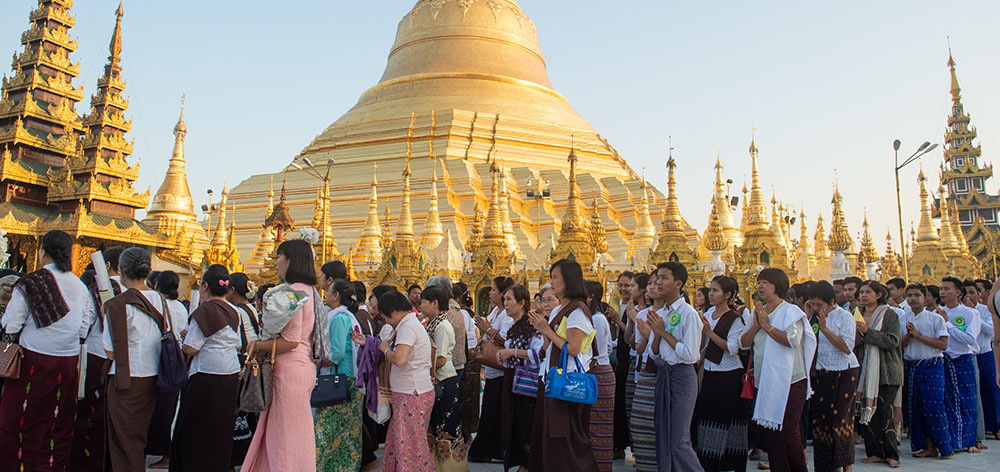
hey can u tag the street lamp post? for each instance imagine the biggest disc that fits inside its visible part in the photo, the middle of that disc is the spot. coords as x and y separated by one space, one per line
924 148
325 202
538 195
209 209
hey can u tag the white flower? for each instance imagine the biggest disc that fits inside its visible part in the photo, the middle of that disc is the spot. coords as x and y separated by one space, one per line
310 235
758 268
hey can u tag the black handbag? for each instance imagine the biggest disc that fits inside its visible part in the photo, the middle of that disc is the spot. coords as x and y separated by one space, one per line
330 390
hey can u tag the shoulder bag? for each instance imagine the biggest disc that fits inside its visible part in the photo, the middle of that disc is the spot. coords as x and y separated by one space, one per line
10 357
173 373
255 381
486 351
574 387
331 389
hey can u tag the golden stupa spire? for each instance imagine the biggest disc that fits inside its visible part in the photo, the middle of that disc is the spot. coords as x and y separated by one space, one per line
115 48
173 199
672 222
387 236
868 252
927 233
220 227
493 234
369 243
265 240
757 216
949 243
280 218
234 254
720 204
956 91
404 228
744 209
840 236
573 218
432 235
645 233
803 233
573 241
890 263
820 247
317 221
596 232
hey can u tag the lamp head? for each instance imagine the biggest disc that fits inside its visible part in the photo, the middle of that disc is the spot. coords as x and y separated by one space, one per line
307 161
895 145
924 146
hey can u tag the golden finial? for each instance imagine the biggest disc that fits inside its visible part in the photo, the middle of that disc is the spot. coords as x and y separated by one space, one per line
821 248
645 233
387 238
475 238
572 218
963 243
318 213
757 211
714 238
493 231
949 243
369 242
673 222
116 37
928 233
404 228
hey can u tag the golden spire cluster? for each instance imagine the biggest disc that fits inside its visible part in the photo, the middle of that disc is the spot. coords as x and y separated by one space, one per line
868 254
756 215
840 236
369 245
645 232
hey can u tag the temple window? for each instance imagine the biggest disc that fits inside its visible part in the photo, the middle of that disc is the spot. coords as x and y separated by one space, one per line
961 186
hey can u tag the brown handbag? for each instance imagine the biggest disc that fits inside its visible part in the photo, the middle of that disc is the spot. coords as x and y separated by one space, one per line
10 360
487 350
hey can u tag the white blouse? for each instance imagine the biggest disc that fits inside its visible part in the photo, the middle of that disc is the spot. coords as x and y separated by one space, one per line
59 339
731 354
829 358
144 335
95 334
576 319
218 354
603 338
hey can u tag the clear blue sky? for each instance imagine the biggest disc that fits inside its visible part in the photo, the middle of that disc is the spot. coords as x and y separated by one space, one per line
827 85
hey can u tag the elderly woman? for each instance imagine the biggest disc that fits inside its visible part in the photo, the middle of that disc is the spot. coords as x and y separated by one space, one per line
409 353
521 351
783 346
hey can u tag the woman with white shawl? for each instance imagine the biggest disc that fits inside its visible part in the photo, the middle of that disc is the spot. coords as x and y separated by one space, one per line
783 347
878 351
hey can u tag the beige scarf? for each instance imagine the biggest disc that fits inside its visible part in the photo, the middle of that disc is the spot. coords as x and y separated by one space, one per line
868 385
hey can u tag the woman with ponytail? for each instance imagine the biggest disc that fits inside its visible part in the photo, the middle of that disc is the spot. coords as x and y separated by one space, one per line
51 310
338 427
203 436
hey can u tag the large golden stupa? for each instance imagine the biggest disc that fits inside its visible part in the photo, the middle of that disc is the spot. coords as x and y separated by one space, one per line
464 89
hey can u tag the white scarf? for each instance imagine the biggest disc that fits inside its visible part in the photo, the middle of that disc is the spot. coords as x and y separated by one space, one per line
868 383
777 365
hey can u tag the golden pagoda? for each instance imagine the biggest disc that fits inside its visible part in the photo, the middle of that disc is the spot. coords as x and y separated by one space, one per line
644 237
891 267
596 233
220 251
949 243
470 77
432 234
403 261
928 263
760 248
60 170
964 265
778 225
673 244
868 257
840 238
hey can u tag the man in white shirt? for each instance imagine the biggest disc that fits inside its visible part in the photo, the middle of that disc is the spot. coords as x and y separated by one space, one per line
959 364
678 326
923 344
990 392
984 350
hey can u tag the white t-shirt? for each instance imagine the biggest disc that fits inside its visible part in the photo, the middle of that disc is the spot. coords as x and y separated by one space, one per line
59 339
928 324
600 322
444 339
576 319
414 376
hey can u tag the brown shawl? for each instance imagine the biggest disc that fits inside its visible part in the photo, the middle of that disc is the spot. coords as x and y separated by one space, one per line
95 294
43 298
117 316
713 352
213 315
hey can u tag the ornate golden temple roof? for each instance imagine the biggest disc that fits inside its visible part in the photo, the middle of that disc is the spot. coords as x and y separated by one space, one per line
840 236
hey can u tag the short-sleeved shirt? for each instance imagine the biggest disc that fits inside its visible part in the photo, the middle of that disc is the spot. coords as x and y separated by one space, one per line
928 324
414 376
444 339
576 319
828 357
59 339
963 328
144 335
218 354
603 338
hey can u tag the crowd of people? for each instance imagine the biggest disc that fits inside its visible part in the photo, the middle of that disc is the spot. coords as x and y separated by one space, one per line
107 381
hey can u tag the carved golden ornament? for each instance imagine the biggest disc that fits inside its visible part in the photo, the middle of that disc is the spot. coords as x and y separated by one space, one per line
868 253
52 35
840 236
475 238
49 12
714 238
596 233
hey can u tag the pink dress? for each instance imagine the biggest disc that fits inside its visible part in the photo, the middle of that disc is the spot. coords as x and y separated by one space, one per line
285 439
